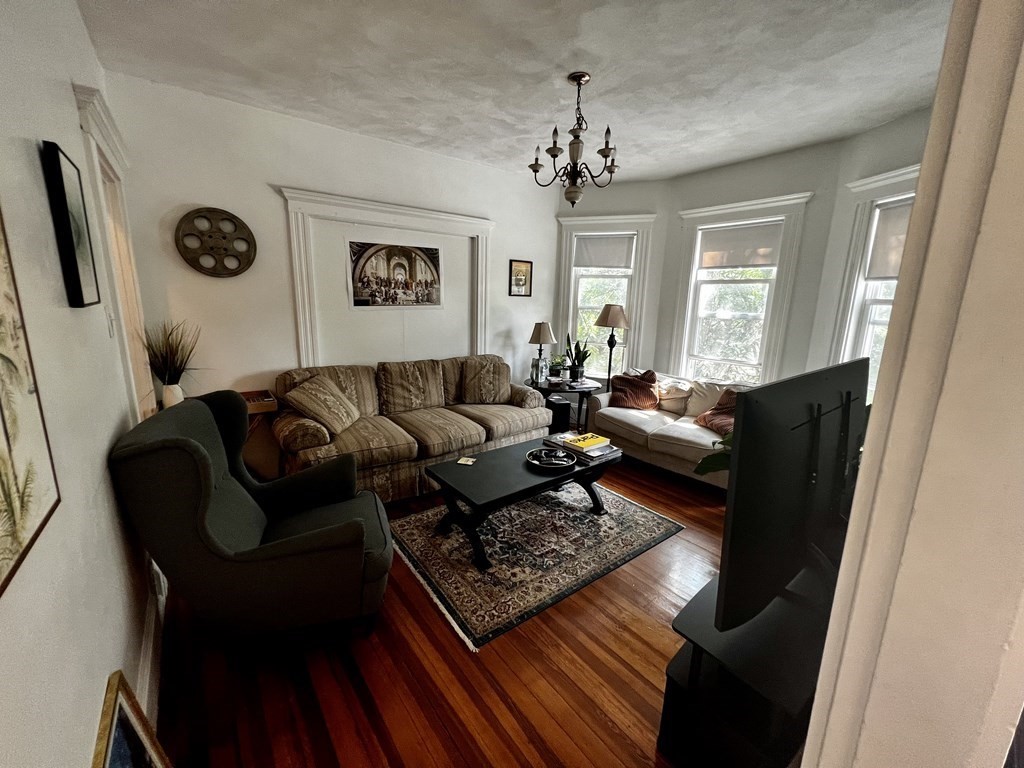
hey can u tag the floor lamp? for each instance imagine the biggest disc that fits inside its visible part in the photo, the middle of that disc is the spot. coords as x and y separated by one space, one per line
612 316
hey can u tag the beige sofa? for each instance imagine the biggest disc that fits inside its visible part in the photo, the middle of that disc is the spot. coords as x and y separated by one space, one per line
666 438
412 414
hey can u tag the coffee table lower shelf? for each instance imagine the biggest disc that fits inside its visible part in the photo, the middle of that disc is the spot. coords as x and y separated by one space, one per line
497 479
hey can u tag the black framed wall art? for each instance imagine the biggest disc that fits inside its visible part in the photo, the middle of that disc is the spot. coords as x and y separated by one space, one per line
71 226
28 480
520 278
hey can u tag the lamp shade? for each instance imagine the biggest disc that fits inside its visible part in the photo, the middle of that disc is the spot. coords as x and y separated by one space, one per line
612 316
542 334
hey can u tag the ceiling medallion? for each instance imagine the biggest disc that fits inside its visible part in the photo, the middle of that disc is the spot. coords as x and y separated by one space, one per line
575 175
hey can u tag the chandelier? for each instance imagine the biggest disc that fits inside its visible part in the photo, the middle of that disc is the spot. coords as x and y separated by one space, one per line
575 175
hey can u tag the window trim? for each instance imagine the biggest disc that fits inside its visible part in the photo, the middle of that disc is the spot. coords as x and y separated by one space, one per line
863 195
787 208
640 226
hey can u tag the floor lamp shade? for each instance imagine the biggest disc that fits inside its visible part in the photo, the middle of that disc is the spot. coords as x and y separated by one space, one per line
612 316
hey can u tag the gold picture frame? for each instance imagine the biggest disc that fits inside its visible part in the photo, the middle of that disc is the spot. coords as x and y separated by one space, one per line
125 738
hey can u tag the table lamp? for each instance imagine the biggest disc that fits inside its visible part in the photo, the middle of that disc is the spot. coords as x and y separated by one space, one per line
541 335
612 316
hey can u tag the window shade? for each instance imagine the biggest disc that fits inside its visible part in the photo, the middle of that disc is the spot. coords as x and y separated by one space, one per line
741 246
891 222
608 252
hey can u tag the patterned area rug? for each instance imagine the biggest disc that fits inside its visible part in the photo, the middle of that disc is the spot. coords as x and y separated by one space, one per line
543 550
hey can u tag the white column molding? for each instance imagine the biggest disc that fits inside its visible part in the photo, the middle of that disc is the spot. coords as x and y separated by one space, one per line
305 206
98 122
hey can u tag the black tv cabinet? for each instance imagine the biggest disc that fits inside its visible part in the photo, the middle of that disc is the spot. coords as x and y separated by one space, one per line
743 697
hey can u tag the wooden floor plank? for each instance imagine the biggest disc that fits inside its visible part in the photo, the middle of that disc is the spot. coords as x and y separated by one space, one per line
580 684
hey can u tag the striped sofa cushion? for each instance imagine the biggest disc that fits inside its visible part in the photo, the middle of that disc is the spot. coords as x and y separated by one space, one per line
320 399
409 386
486 381
296 432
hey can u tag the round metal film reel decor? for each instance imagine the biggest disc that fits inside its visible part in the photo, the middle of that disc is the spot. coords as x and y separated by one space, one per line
215 242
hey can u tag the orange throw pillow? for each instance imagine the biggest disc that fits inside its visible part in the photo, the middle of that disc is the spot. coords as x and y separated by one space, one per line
638 392
722 415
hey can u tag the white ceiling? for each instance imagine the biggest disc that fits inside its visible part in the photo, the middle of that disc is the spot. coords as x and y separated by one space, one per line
684 84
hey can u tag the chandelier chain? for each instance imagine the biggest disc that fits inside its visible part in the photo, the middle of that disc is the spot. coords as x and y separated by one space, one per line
581 121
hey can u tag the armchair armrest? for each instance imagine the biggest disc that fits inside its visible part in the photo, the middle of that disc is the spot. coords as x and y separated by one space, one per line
327 483
525 397
348 535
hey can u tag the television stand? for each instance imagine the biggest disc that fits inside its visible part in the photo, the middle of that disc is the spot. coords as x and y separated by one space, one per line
743 697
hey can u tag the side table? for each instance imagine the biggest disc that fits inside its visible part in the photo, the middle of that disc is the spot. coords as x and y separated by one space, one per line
581 389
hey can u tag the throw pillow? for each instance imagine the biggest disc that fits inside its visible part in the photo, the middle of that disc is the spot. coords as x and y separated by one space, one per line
721 417
486 380
321 400
639 392
705 395
673 395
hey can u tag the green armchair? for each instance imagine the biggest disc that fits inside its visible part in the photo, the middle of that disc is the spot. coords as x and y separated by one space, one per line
304 549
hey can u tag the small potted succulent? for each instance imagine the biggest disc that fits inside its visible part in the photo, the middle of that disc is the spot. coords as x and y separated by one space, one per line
170 347
556 365
576 355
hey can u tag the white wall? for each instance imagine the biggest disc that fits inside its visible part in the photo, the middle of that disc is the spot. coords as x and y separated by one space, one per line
74 609
822 169
190 150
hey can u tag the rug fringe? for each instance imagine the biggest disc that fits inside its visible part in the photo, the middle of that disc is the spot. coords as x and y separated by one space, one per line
444 611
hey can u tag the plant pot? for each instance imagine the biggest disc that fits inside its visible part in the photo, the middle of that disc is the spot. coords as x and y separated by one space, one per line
555 371
172 395
576 372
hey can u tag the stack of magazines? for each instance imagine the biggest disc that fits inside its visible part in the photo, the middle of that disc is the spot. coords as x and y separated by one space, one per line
588 448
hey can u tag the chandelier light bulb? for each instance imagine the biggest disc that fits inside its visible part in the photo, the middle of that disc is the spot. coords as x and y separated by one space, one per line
575 174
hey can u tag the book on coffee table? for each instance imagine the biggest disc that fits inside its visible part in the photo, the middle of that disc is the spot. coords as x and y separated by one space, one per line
595 452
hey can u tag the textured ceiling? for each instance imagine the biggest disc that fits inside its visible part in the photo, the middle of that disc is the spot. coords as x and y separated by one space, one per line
685 84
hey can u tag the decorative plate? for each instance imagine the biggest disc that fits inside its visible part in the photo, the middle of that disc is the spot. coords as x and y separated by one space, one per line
550 458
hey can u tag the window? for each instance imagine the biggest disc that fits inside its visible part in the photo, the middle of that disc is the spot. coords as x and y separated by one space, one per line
602 272
875 287
741 269
602 259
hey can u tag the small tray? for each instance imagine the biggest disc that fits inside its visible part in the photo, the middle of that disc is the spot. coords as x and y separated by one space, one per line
550 458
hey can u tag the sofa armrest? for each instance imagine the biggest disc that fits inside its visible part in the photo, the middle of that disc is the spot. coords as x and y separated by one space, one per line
295 432
526 397
594 404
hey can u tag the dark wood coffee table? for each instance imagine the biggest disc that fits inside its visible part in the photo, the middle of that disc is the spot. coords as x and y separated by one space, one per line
499 478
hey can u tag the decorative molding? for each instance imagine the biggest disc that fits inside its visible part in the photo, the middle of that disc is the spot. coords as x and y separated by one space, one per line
640 225
97 121
899 176
748 206
790 208
304 206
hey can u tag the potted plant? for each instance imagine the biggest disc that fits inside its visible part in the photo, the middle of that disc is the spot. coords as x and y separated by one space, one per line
170 347
576 355
556 365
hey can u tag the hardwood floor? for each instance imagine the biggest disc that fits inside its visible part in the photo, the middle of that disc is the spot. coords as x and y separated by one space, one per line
580 684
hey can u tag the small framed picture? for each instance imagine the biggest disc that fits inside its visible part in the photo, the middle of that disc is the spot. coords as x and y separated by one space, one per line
70 225
125 738
520 278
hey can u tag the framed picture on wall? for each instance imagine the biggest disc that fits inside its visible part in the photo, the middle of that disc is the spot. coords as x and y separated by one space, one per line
70 225
520 278
125 739
27 475
402 276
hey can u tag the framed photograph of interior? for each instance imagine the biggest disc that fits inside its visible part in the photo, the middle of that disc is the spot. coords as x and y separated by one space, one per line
520 278
125 738
67 206
386 275
28 480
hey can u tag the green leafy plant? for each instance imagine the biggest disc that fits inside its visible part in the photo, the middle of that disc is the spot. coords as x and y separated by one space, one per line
718 461
576 354
557 361
170 347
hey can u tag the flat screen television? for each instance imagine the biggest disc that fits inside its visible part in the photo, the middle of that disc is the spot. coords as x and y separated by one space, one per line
796 447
